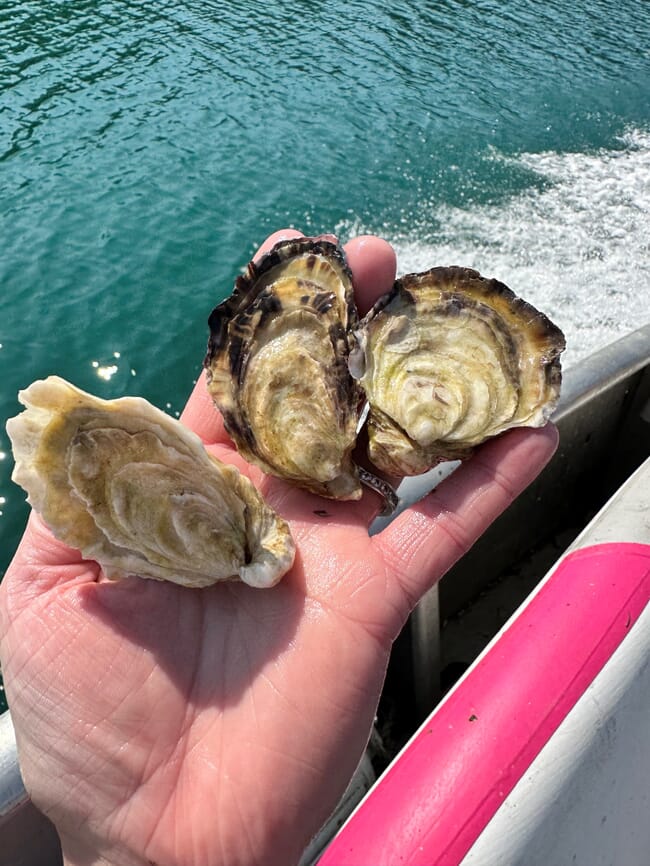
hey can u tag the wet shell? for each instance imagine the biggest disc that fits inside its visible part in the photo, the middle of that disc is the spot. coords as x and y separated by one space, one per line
277 366
136 491
447 360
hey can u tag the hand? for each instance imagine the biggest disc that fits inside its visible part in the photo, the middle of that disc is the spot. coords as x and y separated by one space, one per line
161 725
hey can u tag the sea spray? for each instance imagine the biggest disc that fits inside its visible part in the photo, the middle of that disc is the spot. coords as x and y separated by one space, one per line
575 246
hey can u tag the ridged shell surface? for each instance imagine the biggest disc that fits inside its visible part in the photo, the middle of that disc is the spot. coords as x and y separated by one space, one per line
277 366
447 360
136 491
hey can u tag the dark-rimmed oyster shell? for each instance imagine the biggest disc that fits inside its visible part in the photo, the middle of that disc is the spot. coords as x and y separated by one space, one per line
448 359
444 361
277 366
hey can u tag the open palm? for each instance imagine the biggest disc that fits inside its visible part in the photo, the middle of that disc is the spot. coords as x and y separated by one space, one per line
158 724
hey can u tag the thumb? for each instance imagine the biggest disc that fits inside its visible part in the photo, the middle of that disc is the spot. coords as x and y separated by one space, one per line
42 563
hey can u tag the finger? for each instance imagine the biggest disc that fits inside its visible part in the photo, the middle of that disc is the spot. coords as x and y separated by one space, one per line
275 238
200 413
43 563
424 542
373 263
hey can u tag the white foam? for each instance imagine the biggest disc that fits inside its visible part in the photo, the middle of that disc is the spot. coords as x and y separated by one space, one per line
577 249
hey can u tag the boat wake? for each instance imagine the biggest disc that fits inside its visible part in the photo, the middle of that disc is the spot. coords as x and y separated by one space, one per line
576 245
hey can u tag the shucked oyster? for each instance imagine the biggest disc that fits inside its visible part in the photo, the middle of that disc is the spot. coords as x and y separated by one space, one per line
135 490
448 359
277 366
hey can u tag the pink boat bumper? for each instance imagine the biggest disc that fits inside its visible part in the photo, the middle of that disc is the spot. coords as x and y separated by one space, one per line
446 787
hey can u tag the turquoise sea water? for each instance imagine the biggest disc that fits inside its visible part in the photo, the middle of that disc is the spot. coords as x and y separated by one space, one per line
146 148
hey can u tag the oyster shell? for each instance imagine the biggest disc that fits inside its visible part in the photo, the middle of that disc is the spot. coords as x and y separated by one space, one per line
277 366
135 490
445 360
448 359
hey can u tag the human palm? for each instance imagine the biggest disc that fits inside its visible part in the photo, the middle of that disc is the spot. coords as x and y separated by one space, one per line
158 724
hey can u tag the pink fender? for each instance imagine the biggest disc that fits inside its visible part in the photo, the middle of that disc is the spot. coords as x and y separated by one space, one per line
439 794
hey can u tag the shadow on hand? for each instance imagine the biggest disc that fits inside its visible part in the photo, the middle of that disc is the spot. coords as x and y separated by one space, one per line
212 642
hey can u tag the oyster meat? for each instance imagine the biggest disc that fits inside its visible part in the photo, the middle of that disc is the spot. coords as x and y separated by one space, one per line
136 491
277 366
448 359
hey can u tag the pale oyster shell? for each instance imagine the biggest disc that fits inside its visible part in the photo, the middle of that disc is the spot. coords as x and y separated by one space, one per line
448 359
136 491
277 366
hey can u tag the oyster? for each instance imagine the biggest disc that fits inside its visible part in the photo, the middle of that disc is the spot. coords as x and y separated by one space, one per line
135 490
445 360
448 359
277 366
